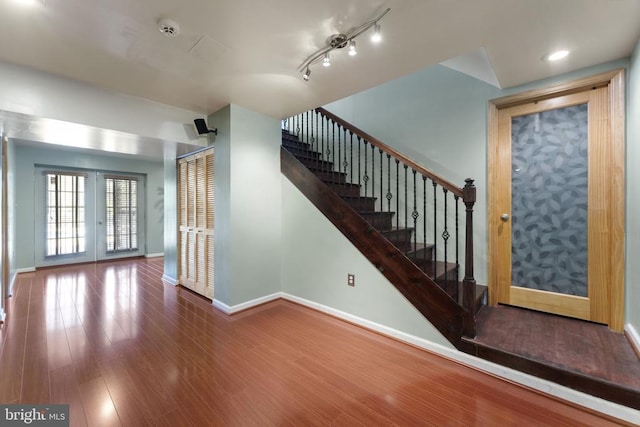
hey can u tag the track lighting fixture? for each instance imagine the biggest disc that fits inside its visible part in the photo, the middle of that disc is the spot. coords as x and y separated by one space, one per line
340 41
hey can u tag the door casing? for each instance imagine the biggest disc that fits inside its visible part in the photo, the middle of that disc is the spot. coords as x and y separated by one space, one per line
613 298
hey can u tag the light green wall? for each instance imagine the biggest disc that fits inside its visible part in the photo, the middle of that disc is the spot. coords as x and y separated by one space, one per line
170 202
248 214
221 120
26 156
316 260
633 197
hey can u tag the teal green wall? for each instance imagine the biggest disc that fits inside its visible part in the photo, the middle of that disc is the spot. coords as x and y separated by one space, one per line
170 201
248 216
633 196
22 191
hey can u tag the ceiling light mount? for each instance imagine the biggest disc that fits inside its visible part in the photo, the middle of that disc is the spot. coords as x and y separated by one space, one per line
340 41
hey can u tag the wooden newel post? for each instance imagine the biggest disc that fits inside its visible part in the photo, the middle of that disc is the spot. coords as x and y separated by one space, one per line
469 282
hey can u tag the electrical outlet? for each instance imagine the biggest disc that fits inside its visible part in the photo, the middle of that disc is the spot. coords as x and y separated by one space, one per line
351 279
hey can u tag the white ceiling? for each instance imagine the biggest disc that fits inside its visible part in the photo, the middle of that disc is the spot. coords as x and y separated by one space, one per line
247 52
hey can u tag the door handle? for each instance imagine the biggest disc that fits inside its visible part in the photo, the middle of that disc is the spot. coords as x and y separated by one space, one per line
504 217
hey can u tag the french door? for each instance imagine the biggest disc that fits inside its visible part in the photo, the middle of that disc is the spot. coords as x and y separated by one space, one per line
556 194
85 216
195 221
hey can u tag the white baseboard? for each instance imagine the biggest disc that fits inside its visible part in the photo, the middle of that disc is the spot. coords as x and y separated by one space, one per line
227 309
633 337
154 255
25 270
548 387
170 280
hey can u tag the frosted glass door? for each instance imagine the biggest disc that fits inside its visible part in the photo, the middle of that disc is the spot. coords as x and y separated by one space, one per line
549 200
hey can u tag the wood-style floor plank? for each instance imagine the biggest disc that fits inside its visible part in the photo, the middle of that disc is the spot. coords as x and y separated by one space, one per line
122 348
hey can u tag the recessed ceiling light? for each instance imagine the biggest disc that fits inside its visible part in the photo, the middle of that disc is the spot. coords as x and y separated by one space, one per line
558 55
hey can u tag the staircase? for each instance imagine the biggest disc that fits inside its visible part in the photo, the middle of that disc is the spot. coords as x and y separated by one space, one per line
405 221
379 200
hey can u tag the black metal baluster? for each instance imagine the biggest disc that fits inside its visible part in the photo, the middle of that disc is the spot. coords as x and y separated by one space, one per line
339 148
415 215
406 210
333 145
306 129
424 219
322 152
345 164
389 195
445 234
457 200
351 156
317 156
359 162
435 225
365 178
381 182
373 171
397 194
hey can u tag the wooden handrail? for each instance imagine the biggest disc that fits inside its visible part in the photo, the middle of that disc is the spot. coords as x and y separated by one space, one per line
458 191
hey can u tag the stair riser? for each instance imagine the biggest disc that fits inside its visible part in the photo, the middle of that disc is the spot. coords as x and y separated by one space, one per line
380 220
400 239
362 204
332 177
302 153
345 190
316 164
421 255
296 145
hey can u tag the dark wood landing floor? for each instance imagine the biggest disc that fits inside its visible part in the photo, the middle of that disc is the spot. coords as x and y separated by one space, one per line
581 355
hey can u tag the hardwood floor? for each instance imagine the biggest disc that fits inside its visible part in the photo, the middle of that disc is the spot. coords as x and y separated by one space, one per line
122 348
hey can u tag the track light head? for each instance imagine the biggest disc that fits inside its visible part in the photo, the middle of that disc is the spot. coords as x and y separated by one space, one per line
376 37
306 75
326 61
352 48
202 127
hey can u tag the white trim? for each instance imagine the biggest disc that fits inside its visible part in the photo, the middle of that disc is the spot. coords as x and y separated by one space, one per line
25 270
227 309
170 280
609 408
3 315
633 336
160 254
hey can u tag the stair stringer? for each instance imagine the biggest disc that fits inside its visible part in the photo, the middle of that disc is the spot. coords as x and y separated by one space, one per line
449 318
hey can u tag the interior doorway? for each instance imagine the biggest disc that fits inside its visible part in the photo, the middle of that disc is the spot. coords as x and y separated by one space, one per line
556 198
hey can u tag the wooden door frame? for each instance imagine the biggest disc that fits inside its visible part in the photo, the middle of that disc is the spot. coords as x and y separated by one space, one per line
615 80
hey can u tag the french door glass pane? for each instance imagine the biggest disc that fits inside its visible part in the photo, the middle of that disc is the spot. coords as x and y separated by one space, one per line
122 214
549 200
65 225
